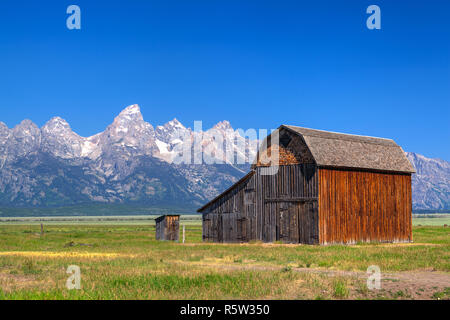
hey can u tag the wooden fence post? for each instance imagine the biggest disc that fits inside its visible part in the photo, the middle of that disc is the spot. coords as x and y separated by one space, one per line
183 233
42 229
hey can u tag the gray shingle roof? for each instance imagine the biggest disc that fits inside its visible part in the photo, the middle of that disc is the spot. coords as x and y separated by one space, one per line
331 149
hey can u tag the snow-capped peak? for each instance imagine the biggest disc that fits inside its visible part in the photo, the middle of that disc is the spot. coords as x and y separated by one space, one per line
171 131
175 123
130 113
57 120
56 124
223 125
131 109
25 123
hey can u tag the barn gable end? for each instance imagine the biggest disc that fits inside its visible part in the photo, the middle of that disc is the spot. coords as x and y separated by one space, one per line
291 147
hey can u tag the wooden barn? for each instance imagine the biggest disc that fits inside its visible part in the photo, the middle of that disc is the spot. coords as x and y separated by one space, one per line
324 188
168 227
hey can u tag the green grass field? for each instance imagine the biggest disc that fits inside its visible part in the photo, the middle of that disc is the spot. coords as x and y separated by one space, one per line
121 260
438 219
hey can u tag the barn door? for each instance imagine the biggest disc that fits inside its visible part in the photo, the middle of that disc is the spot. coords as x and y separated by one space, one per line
218 226
212 227
282 222
249 215
242 228
308 224
172 228
225 227
207 227
233 227
293 222
287 222
303 223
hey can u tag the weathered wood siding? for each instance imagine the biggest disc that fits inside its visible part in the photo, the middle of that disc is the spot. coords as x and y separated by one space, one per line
167 228
364 206
268 207
232 217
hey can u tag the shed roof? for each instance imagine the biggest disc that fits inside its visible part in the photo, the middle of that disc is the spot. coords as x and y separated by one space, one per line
160 218
332 149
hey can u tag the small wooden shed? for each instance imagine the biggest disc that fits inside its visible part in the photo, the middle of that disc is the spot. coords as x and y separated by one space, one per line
167 227
326 187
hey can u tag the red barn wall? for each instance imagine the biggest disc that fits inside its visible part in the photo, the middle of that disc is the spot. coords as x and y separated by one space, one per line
364 206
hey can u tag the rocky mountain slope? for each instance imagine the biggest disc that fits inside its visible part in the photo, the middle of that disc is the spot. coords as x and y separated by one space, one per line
132 162
431 183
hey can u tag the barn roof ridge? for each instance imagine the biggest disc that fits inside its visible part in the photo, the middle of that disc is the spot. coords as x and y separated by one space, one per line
328 131
340 135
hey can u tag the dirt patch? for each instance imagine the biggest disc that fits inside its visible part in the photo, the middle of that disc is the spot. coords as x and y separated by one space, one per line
425 284
415 285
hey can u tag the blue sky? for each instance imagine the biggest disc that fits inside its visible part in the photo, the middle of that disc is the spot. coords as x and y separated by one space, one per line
258 64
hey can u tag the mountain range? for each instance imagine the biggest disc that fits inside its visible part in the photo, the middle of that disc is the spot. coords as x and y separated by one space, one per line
430 183
130 162
134 163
